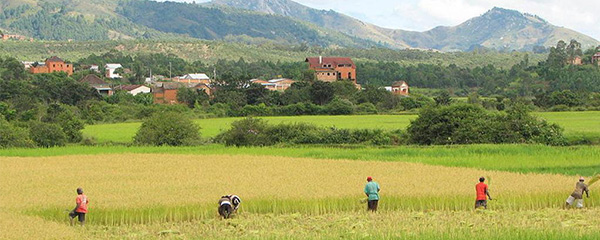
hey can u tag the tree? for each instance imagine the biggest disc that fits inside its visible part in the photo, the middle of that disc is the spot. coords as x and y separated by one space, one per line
47 134
443 98
168 129
574 50
558 55
322 92
70 124
12 136
191 96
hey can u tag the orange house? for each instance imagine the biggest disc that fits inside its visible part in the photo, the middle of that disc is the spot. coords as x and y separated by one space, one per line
331 69
166 92
53 64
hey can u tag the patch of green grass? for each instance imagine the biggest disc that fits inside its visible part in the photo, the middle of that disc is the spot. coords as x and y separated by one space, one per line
580 160
124 132
576 124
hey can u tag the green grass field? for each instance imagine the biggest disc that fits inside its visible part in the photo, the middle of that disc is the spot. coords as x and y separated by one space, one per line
576 124
581 160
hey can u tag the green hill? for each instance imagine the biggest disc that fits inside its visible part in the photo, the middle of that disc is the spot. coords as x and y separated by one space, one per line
141 19
498 28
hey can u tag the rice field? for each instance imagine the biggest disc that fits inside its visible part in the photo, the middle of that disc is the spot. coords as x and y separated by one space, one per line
576 124
146 196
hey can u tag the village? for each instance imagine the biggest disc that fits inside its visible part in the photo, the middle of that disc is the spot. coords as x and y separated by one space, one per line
165 89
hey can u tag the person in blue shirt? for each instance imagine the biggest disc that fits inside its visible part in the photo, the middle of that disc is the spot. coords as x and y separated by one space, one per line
372 191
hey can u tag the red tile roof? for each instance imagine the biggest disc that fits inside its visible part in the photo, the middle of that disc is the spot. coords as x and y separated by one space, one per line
93 80
54 59
334 61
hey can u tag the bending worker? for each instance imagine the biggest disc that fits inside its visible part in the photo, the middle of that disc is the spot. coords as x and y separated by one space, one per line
372 191
228 205
577 195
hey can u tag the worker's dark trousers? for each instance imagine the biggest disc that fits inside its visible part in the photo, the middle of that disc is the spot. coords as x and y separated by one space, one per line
372 205
225 210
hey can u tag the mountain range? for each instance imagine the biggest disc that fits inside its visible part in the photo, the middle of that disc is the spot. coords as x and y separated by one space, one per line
267 21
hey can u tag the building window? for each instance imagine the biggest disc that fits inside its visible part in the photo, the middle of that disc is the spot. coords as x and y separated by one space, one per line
328 74
333 74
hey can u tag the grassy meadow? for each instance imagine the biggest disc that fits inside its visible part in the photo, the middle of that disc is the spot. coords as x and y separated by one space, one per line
576 124
142 196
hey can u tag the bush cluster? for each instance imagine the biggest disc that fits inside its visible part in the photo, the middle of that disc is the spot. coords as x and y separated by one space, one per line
257 132
168 129
472 124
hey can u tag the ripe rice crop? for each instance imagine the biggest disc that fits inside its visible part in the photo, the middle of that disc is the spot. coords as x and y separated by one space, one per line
165 195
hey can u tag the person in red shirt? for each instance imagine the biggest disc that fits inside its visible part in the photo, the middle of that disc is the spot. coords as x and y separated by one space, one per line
81 209
482 194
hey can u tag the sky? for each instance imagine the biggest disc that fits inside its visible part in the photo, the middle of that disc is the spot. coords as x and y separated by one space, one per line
421 15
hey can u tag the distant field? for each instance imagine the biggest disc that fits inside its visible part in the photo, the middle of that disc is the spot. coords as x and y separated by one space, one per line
576 124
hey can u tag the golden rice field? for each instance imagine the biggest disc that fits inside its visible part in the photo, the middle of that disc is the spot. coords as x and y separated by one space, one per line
147 196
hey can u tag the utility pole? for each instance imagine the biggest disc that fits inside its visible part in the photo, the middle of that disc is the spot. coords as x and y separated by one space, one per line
170 75
215 73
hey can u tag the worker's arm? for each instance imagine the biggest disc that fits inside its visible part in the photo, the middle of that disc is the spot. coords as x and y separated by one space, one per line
487 192
378 188
587 192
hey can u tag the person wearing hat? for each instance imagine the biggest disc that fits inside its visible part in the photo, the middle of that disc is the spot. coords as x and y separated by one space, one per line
577 195
81 209
372 192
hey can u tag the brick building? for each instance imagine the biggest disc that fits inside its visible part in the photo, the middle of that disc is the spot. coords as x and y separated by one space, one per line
53 64
331 69
596 58
166 92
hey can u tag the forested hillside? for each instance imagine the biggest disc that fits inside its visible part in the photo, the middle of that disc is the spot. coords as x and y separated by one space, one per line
212 24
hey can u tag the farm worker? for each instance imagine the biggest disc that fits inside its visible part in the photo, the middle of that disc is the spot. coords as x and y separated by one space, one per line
482 194
372 192
81 208
228 205
577 195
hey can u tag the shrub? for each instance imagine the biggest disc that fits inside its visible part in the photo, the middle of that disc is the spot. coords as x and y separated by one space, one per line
70 124
366 108
47 134
470 124
340 107
168 128
256 132
13 136
246 132
256 110
301 109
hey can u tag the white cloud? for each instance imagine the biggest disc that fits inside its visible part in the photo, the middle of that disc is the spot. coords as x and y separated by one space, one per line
422 15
